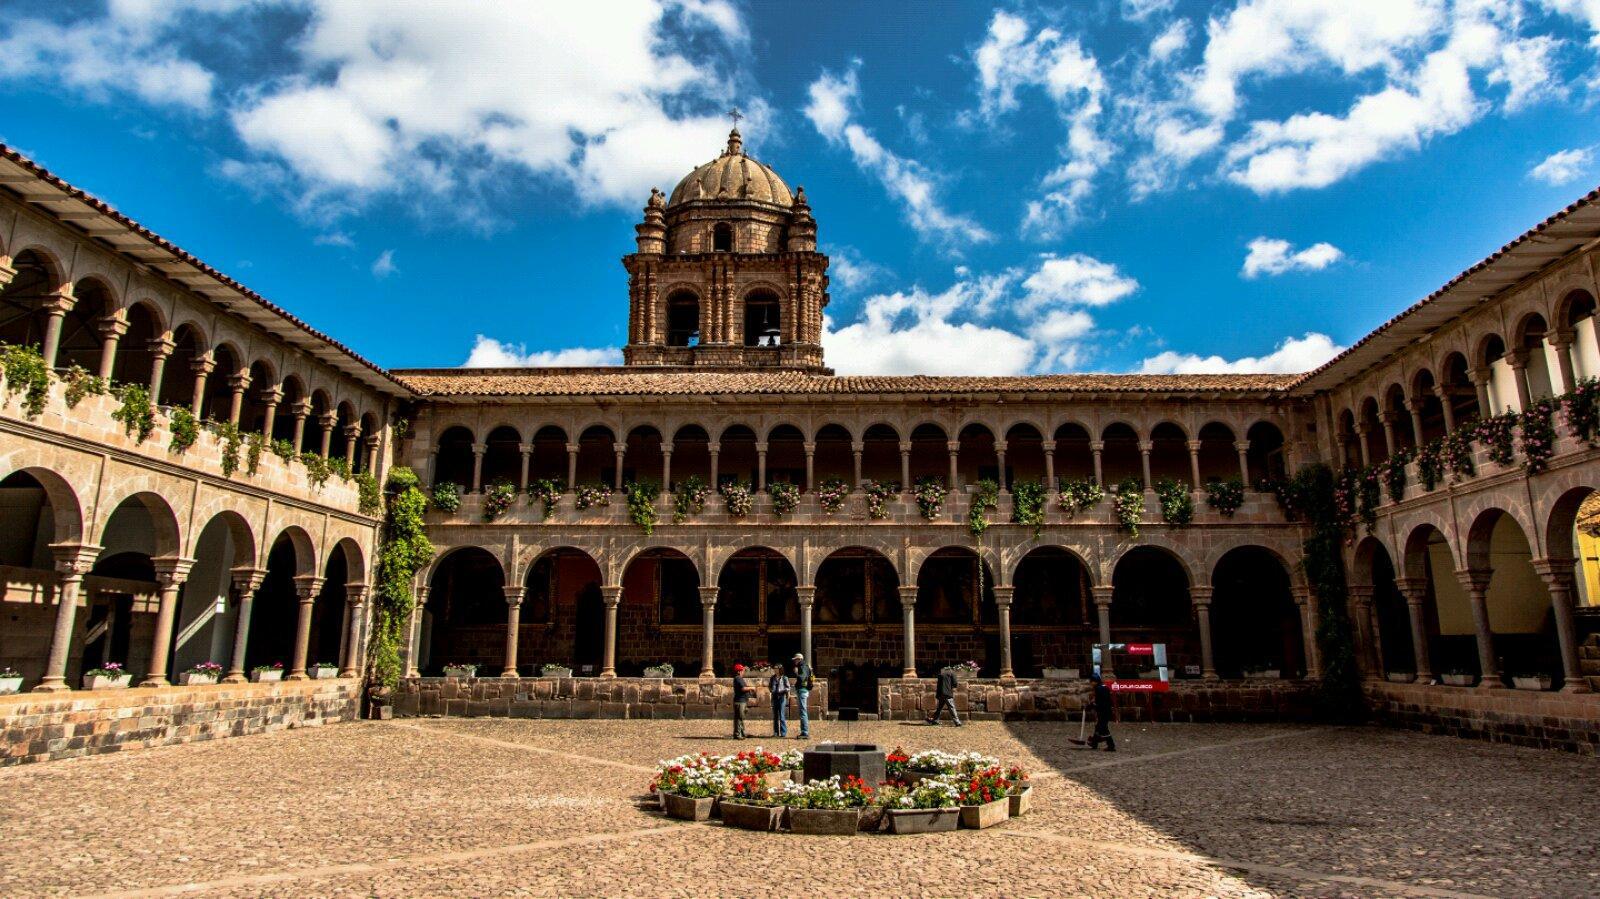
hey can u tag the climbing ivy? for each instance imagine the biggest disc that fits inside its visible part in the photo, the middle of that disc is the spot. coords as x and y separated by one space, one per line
232 440
1027 505
81 384
401 554
137 416
1177 503
642 505
986 500
185 429
548 492
1129 506
1339 697
26 374
369 499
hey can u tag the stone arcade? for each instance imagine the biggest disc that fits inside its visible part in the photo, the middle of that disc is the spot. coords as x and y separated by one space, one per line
116 549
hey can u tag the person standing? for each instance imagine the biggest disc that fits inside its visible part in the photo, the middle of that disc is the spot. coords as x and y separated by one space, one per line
945 692
742 692
802 693
1102 714
778 686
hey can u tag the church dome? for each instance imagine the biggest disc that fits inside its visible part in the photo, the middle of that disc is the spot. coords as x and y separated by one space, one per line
733 176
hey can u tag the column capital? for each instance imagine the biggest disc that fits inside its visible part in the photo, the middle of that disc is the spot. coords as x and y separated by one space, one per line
611 596
352 430
271 394
300 409
513 595
239 380
203 365
1000 446
1556 573
248 580
1194 446
1003 595
111 327
1048 446
1242 446
172 572
807 595
1414 589
905 446
525 448
479 449
307 586
328 419
908 596
714 447
1103 595
1201 595
619 447
666 447
356 594
953 446
1413 404
1474 580
58 303
810 446
1561 338
74 559
1479 375
1145 446
1517 359
161 347
708 596
1096 446
1360 594
1302 595
573 447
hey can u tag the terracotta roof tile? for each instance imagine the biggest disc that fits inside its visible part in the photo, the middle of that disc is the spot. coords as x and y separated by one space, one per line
471 382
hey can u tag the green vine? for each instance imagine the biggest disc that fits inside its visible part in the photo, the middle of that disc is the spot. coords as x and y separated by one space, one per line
1027 505
81 384
369 498
403 552
1129 506
254 445
642 505
1314 495
283 449
340 467
548 492
1394 475
185 429
317 469
497 499
232 440
446 496
689 498
785 497
137 416
1177 503
986 500
26 374
1080 495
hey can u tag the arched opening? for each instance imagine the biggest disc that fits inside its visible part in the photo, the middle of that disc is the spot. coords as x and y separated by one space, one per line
1452 647
453 461
294 397
1264 457
1119 457
1578 321
133 363
1053 620
1373 566
80 330
930 453
1520 616
597 456
464 622
1370 430
1458 388
722 238
757 587
691 455
262 382
1024 454
206 620
660 592
22 318
184 364
1150 604
346 433
319 431
330 611
562 587
880 456
274 615
976 460
683 319
856 619
643 461
786 456
1572 538
1219 460
1430 411
1399 418
549 459
833 458
1169 453
1502 385
502 456
763 323
39 508
1074 457
1349 441
122 601
365 447
737 461
1531 342
948 604
1255 624
226 372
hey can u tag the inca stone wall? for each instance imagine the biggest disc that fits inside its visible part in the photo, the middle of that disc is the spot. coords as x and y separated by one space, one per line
992 700
1544 720
568 697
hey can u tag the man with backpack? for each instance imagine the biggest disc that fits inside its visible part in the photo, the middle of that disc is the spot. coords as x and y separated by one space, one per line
945 693
802 693
742 692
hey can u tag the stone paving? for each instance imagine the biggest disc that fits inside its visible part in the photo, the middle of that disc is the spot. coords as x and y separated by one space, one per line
488 807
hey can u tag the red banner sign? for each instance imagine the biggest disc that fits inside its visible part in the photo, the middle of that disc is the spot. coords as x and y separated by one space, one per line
1140 649
1140 686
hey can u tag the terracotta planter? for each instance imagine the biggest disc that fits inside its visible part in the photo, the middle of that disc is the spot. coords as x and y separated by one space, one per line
746 816
10 685
97 682
657 672
825 821
266 677
556 672
457 671
1021 803
322 673
1532 682
685 808
923 820
1457 680
986 815
778 778
191 679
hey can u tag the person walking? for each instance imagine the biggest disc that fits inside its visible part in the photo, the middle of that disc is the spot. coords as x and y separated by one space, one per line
742 692
945 692
1102 714
802 693
778 686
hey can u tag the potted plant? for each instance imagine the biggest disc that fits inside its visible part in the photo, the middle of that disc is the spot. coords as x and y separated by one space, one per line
1020 791
985 799
1400 677
1260 674
689 791
931 806
1060 674
964 670
662 670
826 807
323 671
768 766
109 676
461 670
10 680
1532 681
200 675
555 669
266 674
1458 678
761 669
749 806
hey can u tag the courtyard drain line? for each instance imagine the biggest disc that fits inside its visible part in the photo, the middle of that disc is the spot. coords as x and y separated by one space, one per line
508 744
1239 865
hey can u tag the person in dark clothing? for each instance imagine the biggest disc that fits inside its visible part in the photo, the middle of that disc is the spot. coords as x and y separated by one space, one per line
945 693
1102 715
742 694
778 688
802 693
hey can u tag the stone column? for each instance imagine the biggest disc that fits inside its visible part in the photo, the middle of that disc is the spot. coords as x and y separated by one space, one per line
666 467
1194 464
160 349
1518 360
708 617
170 575
270 397
1361 444
905 467
1561 345
352 436
478 449
1558 576
954 448
1200 597
371 463
55 308
1102 607
1366 641
1415 590
73 561
306 587
1443 393
612 597
513 628
1000 447
811 465
1145 446
299 410
761 465
1242 447
908 619
1306 600
621 449
808 597
246 581
1002 601
857 447
1480 380
355 600
1096 449
526 451
1414 407
239 382
1476 582
1386 419
202 368
111 333
327 420
414 632
572 467
1050 484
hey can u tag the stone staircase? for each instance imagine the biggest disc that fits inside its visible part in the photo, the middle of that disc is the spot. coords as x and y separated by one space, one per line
1589 661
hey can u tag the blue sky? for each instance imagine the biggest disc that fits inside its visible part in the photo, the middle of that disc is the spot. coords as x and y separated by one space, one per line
1144 185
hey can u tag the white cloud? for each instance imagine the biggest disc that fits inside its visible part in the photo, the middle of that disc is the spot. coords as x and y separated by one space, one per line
128 51
831 111
490 353
1075 280
1174 39
1272 256
383 266
1293 355
1140 10
334 239
1563 167
849 271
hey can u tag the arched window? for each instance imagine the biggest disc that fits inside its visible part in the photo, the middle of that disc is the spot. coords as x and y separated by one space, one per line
762 319
683 319
722 238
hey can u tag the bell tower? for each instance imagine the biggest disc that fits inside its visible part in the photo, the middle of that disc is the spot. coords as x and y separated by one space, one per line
727 273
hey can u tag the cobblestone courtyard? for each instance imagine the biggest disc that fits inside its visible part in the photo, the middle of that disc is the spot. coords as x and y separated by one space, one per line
480 807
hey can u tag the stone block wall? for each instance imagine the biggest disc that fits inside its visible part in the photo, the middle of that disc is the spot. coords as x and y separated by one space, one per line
1564 721
1054 700
588 697
36 727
